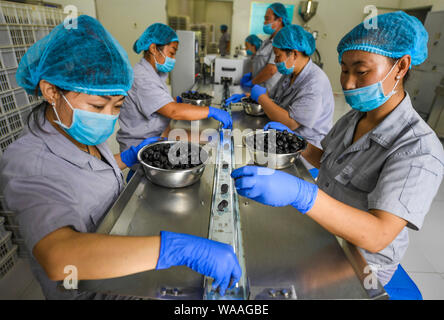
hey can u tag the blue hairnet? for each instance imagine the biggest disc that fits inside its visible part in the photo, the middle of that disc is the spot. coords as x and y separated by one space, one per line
157 33
398 34
294 37
85 59
254 40
224 27
281 12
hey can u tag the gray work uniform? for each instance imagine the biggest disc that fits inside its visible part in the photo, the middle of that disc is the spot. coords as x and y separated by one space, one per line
49 183
309 101
138 118
397 167
223 42
265 55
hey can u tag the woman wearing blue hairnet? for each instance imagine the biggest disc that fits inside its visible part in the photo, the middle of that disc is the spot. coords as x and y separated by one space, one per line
252 43
61 178
224 41
149 107
264 68
381 164
303 98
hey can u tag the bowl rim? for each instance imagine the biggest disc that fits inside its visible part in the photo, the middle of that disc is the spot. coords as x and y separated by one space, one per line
266 152
245 102
196 168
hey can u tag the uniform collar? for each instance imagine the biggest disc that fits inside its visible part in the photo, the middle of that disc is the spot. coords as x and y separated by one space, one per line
386 132
303 74
390 128
150 68
62 147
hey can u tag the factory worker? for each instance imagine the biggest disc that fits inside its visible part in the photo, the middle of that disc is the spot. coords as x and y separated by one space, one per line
224 41
61 178
264 68
381 164
252 43
303 98
149 107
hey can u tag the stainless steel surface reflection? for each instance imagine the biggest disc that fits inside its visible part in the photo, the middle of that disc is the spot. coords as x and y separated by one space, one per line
145 211
284 250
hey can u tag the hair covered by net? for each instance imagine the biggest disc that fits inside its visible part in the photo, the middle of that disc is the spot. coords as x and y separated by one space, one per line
294 37
157 33
281 12
254 40
397 34
86 59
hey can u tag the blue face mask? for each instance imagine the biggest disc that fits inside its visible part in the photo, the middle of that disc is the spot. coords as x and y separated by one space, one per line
89 128
282 68
371 97
268 29
249 52
168 66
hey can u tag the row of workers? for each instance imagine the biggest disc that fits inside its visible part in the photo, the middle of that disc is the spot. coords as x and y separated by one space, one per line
380 165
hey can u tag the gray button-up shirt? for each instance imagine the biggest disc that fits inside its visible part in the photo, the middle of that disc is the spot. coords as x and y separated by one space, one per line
49 184
397 167
309 101
223 42
265 55
138 118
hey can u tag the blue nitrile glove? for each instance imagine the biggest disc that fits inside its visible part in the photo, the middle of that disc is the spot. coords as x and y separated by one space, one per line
276 126
179 99
222 116
246 80
129 157
258 91
208 257
275 188
235 98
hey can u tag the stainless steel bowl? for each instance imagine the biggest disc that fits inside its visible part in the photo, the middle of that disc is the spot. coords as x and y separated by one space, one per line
173 178
252 109
274 161
202 103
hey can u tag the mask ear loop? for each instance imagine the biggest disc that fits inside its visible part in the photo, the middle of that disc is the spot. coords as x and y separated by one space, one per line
162 55
397 77
59 122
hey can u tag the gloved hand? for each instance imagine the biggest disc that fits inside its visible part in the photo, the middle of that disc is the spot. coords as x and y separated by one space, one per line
257 91
235 98
275 188
129 157
208 257
276 126
179 99
222 116
246 80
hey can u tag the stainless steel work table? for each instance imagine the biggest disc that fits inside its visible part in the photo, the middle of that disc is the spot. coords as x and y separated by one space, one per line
283 249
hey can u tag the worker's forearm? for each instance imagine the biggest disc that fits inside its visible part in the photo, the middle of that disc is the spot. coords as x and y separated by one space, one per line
313 155
275 113
184 111
356 226
120 163
99 256
266 73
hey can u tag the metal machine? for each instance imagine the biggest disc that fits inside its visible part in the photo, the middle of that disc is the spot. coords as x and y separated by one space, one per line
233 68
284 255
425 80
307 10
183 75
